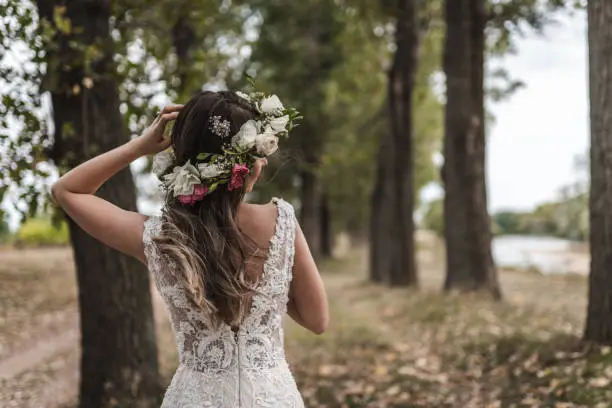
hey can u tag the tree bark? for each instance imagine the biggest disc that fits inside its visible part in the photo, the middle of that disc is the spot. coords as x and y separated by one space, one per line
380 219
119 355
392 258
183 42
599 314
310 214
327 239
467 226
485 270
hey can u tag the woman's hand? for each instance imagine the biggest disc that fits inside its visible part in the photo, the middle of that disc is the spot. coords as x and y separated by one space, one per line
152 140
255 174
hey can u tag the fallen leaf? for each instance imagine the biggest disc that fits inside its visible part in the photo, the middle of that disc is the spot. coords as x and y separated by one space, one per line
394 390
599 382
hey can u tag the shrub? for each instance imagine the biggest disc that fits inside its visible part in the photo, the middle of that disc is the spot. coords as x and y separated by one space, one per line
41 232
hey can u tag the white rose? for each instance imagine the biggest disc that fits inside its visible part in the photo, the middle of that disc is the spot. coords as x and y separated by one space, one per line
266 143
161 162
271 104
182 179
245 138
208 170
280 124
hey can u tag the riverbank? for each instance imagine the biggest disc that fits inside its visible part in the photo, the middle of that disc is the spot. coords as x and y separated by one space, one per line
542 254
384 348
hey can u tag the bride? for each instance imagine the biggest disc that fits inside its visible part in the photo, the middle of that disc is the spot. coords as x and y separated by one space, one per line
228 271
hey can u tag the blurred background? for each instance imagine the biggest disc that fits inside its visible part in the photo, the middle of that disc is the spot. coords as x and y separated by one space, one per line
441 176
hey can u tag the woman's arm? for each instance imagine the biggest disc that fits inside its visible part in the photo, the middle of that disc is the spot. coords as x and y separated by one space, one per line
307 298
294 314
113 226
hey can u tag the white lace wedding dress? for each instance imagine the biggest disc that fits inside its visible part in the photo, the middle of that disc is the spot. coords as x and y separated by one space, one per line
232 369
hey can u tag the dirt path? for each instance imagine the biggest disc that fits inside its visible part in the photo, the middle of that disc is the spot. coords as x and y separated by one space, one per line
45 371
29 357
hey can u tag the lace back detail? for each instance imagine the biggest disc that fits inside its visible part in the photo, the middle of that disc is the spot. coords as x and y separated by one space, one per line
258 343
221 368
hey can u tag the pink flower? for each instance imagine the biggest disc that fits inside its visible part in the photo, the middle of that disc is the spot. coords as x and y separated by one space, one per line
199 192
186 199
239 173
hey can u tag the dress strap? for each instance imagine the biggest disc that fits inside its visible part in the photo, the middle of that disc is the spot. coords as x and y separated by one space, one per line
285 231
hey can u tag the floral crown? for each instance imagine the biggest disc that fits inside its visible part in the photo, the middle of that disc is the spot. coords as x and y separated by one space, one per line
256 139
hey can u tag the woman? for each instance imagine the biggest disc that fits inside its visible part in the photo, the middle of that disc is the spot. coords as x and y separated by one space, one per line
227 270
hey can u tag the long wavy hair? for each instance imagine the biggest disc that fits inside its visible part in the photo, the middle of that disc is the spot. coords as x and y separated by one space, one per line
203 241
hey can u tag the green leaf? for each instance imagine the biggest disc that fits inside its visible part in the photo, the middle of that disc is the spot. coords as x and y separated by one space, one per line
213 187
204 156
62 23
250 80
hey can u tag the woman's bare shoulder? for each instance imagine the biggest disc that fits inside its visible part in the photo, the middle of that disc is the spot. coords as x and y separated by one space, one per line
258 220
255 210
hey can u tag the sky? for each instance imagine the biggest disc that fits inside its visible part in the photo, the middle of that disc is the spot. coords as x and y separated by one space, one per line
540 130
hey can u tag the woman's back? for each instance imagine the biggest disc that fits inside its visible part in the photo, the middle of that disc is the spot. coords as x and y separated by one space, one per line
219 366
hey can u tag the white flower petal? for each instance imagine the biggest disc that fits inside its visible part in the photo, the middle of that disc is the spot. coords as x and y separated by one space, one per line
182 179
266 143
161 162
245 138
170 177
208 170
271 104
243 96
279 124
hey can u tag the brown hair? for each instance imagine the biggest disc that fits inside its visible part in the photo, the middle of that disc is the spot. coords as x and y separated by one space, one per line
203 241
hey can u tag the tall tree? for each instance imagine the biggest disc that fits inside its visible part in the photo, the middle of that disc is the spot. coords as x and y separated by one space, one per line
392 258
294 56
119 354
467 226
599 316
350 160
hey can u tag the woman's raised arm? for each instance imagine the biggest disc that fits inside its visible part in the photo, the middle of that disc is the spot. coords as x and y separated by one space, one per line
113 226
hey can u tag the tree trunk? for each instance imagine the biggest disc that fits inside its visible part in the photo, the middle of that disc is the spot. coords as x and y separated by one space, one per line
315 222
467 226
119 354
380 219
327 239
183 41
599 316
310 214
482 257
392 258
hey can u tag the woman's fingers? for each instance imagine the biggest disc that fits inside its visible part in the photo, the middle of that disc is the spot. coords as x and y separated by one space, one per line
171 108
165 143
169 116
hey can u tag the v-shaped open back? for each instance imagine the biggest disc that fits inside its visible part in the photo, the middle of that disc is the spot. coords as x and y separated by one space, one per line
219 367
274 243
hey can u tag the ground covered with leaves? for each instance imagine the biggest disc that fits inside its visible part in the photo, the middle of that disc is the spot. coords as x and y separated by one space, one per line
384 348
409 348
